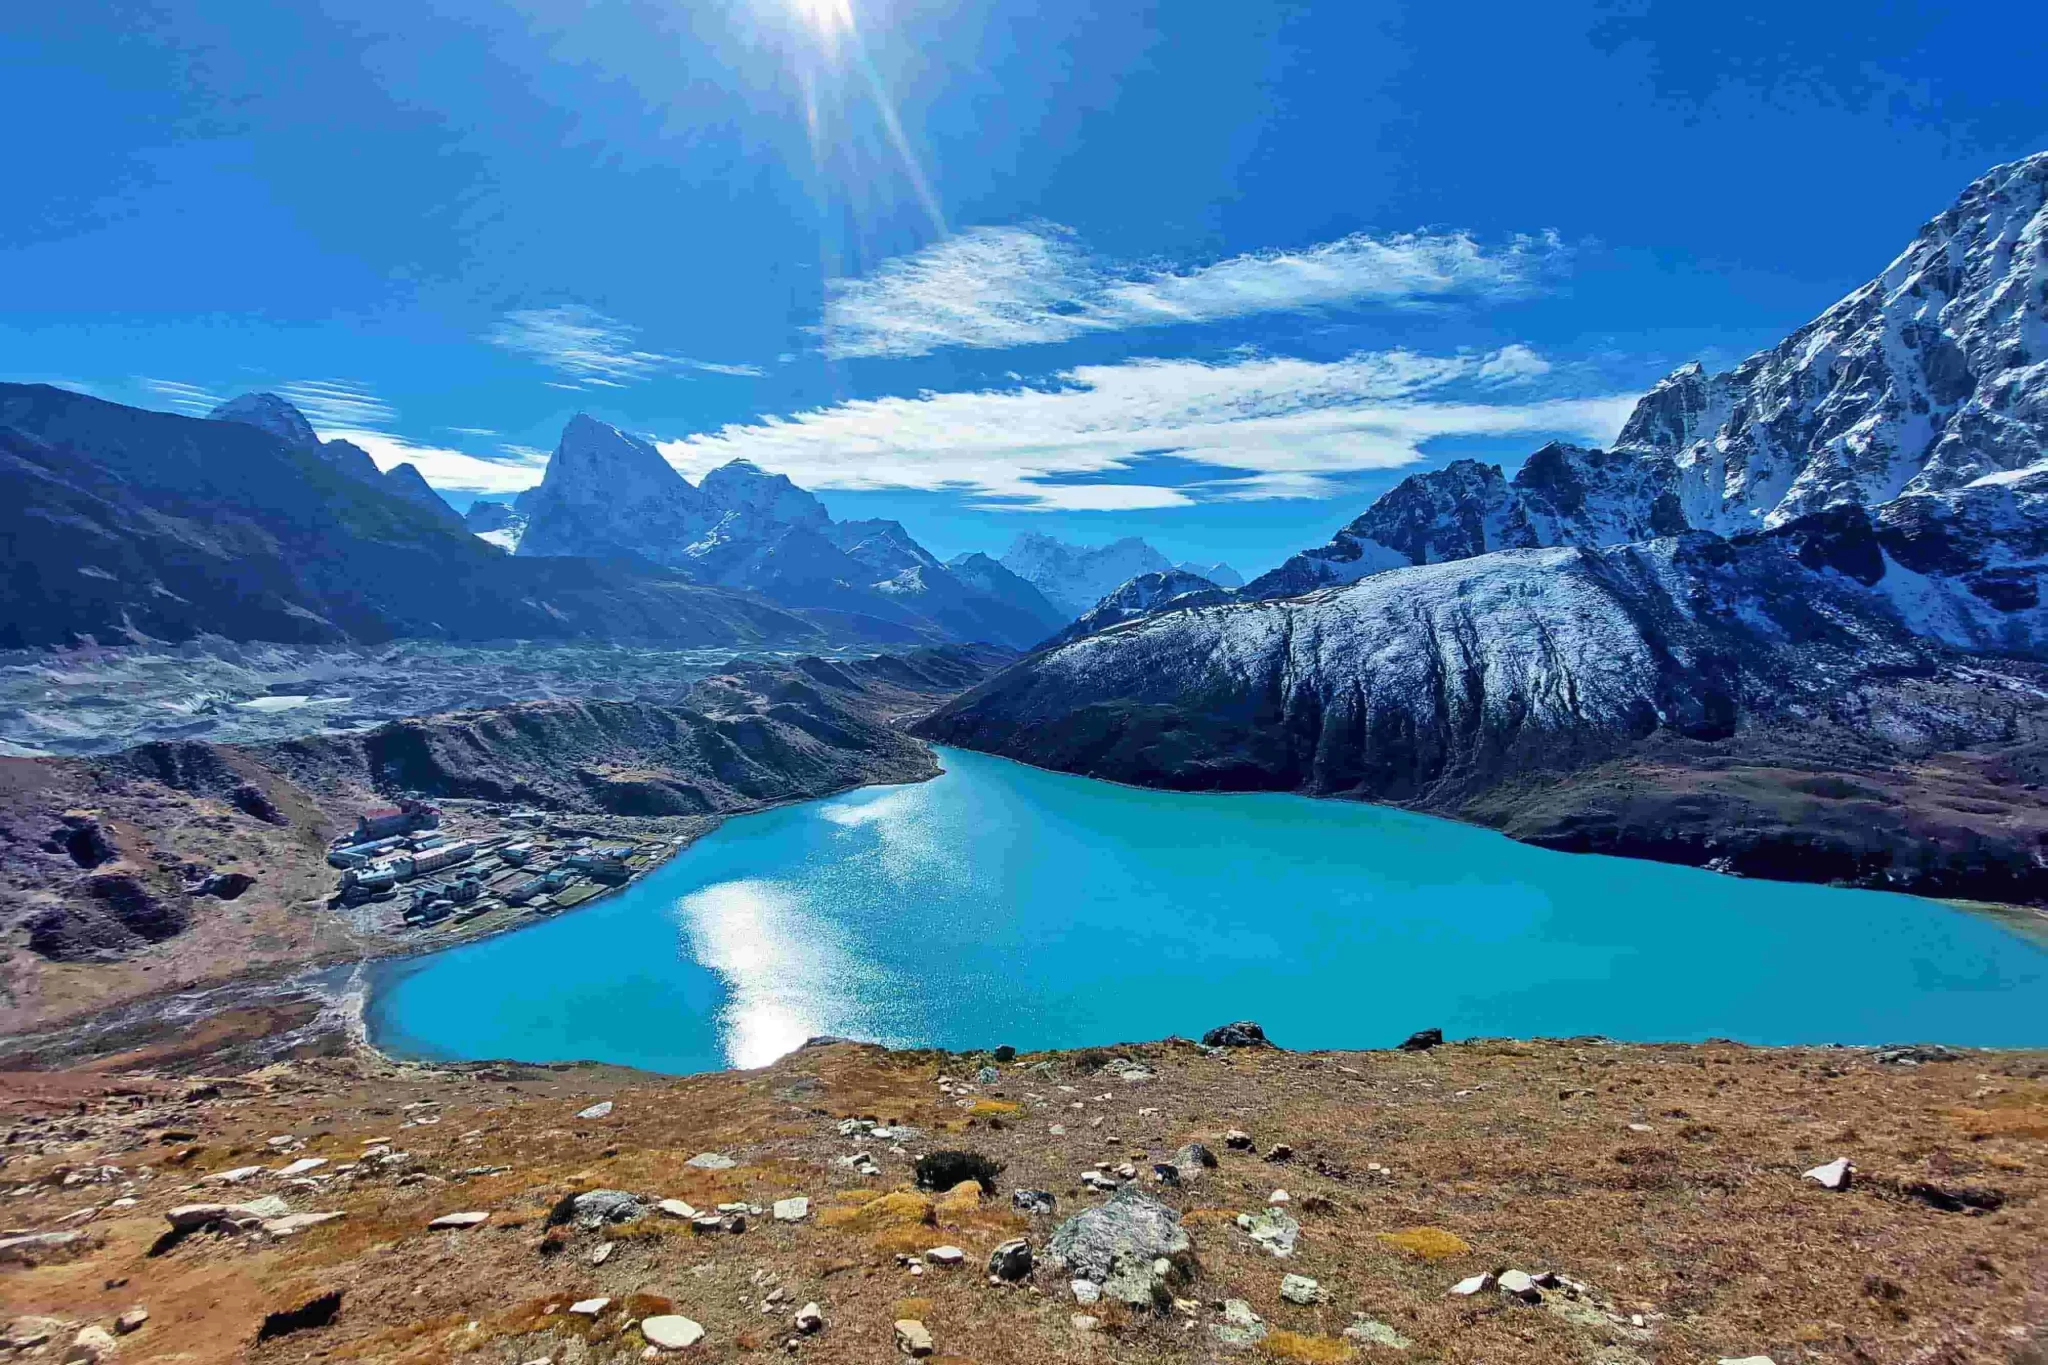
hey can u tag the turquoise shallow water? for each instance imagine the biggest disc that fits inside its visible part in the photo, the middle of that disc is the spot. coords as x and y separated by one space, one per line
1002 904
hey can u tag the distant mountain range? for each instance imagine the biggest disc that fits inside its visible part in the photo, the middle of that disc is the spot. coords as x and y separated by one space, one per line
1076 577
608 493
1828 558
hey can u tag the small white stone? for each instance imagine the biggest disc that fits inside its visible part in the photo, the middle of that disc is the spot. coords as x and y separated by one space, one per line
912 1339
1520 1284
1279 1197
946 1255
672 1331
1086 1291
1476 1284
460 1220
1085 1322
302 1165
1835 1175
676 1208
602 1252
792 1210
809 1320
233 1177
596 1111
711 1161
590 1308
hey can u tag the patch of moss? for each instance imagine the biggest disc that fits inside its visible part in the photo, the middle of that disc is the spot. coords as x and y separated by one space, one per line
1431 1244
1308 1350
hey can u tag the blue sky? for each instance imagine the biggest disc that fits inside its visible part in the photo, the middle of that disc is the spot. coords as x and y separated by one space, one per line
1213 274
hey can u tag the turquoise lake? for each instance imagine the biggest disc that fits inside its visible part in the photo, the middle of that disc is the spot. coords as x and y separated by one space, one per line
1002 904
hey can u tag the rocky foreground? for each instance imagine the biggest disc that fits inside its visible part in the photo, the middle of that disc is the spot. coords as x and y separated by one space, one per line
1490 1200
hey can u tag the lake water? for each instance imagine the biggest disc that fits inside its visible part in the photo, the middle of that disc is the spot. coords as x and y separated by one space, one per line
1002 904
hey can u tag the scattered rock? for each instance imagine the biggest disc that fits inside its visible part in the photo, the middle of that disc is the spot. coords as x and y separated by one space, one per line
460 1220
1085 1291
91 1345
1521 1285
912 1339
711 1161
987 1075
1237 1140
602 1252
1747 1360
235 1176
1301 1289
1280 1152
1033 1201
1915 1054
301 1166
590 1308
1473 1284
1272 1229
1423 1040
810 1320
1130 1226
675 1208
671 1331
1011 1260
1240 1326
1835 1175
946 1255
1373 1332
317 1311
1243 1033
31 1248
1279 1197
947 1170
131 1321
593 1209
601 1109
1954 1199
792 1210
1085 1322
291 1224
1192 1159
1006 1053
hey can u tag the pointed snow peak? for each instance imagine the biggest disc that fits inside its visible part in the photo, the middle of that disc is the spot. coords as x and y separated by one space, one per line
272 414
597 455
744 487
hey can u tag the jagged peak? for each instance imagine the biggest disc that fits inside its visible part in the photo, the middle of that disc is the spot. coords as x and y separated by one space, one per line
270 413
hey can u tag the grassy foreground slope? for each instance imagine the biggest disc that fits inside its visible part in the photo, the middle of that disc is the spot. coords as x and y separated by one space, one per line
1664 1180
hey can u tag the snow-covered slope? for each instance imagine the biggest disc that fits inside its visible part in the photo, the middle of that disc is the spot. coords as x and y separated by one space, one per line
1076 577
1926 380
1145 595
496 523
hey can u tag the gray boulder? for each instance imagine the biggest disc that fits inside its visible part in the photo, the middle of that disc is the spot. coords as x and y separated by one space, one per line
1243 1033
1132 1245
594 1209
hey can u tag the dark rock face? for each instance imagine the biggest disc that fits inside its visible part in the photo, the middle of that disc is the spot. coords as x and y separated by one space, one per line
1243 1033
83 841
115 915
1423 1040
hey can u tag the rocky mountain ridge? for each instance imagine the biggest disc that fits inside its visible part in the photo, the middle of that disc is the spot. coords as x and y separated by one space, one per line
268 412
1923 394
609 492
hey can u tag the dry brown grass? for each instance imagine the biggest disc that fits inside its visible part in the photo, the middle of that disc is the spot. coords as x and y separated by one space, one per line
1525 1150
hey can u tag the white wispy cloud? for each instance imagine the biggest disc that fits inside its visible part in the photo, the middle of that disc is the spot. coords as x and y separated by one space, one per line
996 287
188 398
1293 426
337 403
518 468
592 349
